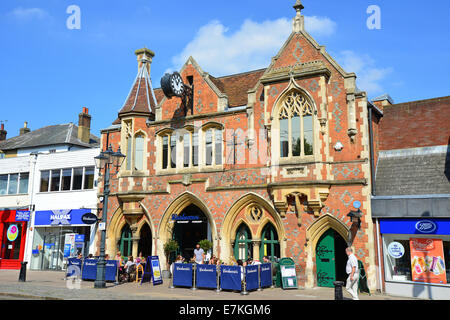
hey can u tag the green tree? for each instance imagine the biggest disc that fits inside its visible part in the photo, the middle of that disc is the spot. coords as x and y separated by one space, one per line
169 247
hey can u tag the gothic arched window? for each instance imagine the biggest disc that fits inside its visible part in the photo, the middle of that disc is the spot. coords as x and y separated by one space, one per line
296 126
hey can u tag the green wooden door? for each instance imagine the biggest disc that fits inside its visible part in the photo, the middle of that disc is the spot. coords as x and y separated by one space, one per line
126 242
325 262
270 246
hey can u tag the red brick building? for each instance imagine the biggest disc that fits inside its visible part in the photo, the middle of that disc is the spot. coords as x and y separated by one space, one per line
267 162
411 192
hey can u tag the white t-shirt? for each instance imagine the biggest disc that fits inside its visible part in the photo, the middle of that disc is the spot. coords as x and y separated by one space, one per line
198 254
351 262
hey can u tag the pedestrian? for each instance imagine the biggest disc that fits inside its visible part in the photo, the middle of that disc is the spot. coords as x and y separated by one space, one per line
199 254
353 274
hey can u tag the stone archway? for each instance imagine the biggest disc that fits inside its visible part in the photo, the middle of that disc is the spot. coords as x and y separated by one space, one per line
314 234
176 207
232 222
116 224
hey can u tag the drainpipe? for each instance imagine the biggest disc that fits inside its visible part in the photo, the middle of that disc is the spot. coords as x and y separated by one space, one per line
380 280
372 164
373 192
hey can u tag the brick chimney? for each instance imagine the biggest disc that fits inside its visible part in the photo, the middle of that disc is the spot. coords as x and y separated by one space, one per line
25 129
3 132
84 125
382 101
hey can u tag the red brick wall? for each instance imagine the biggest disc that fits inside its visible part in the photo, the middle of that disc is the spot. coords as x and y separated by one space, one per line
415 124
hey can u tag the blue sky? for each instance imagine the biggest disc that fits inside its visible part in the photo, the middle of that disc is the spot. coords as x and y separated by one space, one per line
49 72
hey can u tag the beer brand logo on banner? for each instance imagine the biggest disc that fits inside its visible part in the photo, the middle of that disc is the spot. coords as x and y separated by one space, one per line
60 217
426 226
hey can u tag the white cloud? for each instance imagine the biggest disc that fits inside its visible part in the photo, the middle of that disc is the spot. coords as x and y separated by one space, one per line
220 52
320 26
28 13
369 76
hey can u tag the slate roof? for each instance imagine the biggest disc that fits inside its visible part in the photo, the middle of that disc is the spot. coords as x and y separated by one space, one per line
416 171
236 86
141 98
50 135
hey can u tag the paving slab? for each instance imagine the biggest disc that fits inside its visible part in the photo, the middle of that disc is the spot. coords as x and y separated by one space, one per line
52 285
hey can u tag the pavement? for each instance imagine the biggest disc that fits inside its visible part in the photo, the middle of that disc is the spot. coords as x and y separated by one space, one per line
51 285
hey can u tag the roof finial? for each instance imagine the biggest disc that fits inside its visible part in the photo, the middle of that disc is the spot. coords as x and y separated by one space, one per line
298 6
299 20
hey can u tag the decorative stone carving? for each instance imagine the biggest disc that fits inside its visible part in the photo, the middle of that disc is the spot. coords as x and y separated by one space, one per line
313 196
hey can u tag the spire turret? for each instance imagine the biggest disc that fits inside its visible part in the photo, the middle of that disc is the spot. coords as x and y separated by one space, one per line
299 20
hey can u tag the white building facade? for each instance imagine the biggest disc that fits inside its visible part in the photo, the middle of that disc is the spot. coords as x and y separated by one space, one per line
64 188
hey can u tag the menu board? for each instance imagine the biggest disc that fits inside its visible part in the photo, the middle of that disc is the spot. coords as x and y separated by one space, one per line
427 260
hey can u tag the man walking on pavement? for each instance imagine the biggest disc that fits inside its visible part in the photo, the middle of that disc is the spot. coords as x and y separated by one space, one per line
353 274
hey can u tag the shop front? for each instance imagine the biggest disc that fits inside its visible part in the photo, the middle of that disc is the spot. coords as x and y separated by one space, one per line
58 235
13 226
416 255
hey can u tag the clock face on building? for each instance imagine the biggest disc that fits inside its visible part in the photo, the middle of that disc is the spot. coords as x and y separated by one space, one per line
177 84
172 85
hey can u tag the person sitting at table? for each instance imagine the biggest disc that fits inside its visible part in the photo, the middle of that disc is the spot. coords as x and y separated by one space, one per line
129 263
130 268
119 259
138 259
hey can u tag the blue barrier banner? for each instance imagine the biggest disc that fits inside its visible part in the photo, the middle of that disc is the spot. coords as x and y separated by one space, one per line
111 270
230 278
73 267
182 275
266 275
206 276
156 270
251 277
89 269
67 248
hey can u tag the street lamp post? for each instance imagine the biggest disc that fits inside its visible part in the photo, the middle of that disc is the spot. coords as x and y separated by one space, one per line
104 161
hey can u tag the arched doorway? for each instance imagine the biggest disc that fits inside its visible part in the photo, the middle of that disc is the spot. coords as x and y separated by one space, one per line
126 241
145 241
270 246
243 243
191 226
330 258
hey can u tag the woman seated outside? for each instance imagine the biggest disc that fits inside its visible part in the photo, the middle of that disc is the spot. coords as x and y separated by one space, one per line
129 263
130 268
179 259
138 259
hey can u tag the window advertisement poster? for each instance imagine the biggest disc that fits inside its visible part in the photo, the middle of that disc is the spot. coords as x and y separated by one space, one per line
69 245
427 260
396 250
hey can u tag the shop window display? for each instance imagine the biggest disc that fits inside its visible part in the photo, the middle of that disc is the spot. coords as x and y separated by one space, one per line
417 258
